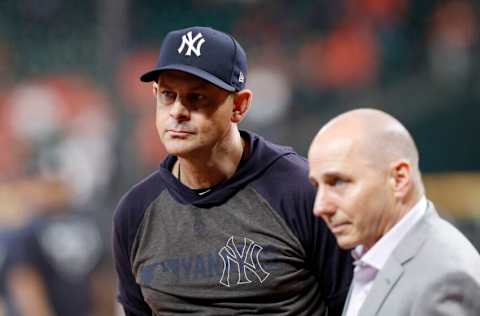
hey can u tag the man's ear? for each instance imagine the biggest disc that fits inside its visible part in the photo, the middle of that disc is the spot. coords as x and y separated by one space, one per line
401 173
155 90
241 104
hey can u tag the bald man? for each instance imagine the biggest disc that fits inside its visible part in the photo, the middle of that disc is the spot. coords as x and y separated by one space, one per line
408 261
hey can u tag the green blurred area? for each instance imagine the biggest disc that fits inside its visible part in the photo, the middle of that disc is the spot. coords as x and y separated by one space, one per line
63 36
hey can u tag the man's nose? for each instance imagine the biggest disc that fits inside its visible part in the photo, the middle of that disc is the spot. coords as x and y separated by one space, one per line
178 110
323 204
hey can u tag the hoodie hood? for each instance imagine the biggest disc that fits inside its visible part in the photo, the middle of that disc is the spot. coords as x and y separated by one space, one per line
263 154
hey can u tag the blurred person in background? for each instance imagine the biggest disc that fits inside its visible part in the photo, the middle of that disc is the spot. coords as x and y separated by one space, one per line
55 254
7 235
224 226
58 136
3 257
408 260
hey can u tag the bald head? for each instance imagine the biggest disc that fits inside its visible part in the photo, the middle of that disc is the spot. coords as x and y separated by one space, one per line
364 164
376 135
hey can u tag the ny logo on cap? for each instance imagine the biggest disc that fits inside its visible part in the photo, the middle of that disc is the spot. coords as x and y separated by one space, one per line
190 42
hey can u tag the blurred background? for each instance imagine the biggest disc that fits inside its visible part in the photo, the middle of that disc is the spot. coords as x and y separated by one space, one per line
77 126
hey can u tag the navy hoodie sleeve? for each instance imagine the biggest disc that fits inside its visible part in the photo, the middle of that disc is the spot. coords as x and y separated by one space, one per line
129 294
286 188
127 219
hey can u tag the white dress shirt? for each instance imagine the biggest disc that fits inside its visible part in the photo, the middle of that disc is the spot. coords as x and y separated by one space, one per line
367 264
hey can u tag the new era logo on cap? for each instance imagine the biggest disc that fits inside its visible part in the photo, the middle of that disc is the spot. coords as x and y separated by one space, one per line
206 53
241 77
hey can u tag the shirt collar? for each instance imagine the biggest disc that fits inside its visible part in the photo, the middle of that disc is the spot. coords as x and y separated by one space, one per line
381 250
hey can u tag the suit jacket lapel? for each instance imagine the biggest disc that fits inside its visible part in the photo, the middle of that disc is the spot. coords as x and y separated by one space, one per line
381 287
393 269
347 301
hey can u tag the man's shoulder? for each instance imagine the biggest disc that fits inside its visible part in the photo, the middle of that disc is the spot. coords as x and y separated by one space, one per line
440 256
295 161
286 186
134 202
446 248
152 182
450 242
446 270
293 169
286 157
280 166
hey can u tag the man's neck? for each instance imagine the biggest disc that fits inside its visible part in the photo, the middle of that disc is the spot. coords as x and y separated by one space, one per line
209 169
401 209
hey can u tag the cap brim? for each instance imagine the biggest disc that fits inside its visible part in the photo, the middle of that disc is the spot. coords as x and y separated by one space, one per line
153 75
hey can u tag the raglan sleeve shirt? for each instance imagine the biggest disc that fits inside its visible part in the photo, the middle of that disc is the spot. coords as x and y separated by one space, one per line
278 179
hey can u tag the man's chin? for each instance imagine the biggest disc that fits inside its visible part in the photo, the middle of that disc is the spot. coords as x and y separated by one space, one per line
177 148
179 153
345 243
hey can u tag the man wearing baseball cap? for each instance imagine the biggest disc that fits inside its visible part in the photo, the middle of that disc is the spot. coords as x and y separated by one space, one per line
224 226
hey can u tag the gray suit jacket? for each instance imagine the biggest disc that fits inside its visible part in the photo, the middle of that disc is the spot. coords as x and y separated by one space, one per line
434 271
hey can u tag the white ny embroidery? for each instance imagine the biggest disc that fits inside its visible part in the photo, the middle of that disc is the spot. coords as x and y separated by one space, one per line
248 259
190 42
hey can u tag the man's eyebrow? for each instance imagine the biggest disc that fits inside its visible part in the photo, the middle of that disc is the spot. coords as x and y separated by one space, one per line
334 174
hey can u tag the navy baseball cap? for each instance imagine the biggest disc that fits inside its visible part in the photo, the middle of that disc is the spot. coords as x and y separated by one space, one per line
206 53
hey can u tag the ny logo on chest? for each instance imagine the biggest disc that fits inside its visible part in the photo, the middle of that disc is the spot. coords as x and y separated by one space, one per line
241 261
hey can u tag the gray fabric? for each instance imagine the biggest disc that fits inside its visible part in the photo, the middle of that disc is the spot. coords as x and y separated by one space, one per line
434 271
182 252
